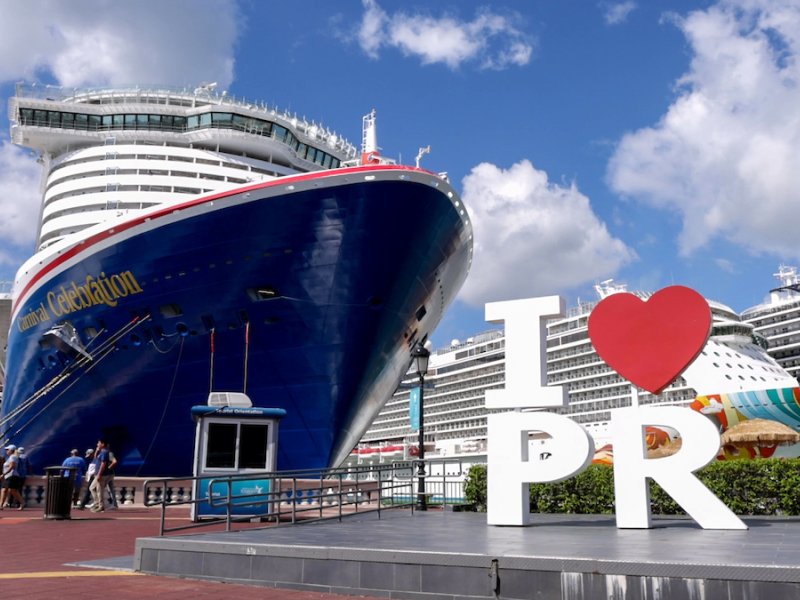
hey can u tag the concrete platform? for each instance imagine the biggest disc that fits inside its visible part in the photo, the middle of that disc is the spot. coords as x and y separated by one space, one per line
446 555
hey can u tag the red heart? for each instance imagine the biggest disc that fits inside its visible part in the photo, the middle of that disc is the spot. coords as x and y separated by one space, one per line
651 343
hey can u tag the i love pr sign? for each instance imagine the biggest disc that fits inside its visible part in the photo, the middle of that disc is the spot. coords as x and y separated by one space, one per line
649 343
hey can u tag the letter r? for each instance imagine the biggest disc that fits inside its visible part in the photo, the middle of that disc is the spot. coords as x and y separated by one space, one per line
699 446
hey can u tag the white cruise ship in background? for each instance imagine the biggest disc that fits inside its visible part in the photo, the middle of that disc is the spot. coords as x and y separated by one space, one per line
778 320
732 369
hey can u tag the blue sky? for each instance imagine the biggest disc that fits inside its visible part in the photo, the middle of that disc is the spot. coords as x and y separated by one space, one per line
652 142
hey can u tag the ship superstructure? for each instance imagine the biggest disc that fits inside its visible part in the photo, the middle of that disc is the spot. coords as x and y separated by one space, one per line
190 243
777 319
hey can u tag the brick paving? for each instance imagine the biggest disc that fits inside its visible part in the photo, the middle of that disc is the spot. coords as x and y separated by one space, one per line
36 553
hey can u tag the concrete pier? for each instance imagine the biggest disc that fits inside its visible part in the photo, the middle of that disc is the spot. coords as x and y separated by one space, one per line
445 555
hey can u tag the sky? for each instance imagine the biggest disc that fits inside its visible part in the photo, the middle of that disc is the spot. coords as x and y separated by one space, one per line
655 143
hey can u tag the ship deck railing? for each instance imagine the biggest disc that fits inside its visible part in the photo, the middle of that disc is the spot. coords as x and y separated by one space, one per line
296 497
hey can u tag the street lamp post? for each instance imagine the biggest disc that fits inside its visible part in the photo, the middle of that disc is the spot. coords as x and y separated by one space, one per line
421 354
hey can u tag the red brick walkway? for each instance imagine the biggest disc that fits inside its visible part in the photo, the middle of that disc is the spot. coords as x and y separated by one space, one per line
35 552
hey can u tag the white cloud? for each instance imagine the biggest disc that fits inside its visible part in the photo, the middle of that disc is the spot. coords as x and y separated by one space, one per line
726 265
533 237
106 42
103 42
489 39
617 13
19 203
726 155
371 31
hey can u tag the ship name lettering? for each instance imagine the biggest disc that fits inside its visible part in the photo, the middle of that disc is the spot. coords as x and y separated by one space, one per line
73 297
33 317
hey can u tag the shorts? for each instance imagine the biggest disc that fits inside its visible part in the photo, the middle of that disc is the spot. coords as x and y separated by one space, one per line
13 482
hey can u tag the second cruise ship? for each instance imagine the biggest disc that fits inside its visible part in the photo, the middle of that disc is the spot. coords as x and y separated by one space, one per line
731 380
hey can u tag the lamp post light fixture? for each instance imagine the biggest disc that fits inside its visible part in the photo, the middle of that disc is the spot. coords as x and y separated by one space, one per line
421 355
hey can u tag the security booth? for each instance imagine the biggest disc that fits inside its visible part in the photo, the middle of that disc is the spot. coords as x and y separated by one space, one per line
234 440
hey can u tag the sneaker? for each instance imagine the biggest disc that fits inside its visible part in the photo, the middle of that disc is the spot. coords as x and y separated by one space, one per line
112 507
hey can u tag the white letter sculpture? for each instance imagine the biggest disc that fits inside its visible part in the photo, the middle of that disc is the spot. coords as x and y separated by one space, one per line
700 445
571 448
509 470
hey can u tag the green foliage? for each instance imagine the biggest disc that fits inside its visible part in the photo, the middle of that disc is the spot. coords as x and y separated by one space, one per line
747 487
475 487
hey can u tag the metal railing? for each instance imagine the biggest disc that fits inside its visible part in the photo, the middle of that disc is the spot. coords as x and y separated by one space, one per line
296 497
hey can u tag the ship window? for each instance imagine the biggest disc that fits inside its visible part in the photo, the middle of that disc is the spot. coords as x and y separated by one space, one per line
81 121
192 122
170 311
421 312
130 121
222 118
179 122
205 119
118 121
94 121
54 118
26 116
40 116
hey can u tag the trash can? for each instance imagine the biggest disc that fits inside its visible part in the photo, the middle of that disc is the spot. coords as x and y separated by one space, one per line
58 499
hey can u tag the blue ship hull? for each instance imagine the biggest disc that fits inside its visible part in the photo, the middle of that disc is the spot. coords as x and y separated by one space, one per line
315 287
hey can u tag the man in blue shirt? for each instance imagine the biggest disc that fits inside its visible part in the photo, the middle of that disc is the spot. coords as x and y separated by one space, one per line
98 486
76 462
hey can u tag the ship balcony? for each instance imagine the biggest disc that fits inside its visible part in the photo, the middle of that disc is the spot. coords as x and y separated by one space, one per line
783 343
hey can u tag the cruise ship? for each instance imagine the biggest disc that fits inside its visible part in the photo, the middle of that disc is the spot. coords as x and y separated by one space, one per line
732 375
778 320
192 243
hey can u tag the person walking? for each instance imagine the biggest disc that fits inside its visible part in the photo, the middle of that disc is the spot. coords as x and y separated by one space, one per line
98 486
112 492
12 482
86 491
24 468
74 461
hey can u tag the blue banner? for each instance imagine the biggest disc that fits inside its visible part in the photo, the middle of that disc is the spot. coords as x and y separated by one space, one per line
413 408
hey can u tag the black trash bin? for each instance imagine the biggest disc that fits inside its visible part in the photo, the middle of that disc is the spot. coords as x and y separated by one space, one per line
58 499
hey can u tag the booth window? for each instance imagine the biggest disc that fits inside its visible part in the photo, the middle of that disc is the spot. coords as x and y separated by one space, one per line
222 445
253 447
221 452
